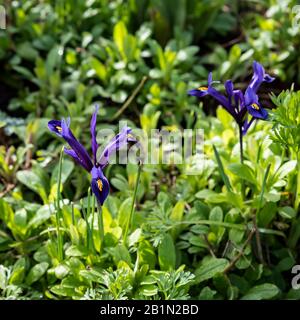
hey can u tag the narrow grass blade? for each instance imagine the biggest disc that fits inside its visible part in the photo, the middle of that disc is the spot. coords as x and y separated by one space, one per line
130 220
264 186
221 170
58 209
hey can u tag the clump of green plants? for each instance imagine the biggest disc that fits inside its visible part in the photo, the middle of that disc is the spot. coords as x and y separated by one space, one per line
75 226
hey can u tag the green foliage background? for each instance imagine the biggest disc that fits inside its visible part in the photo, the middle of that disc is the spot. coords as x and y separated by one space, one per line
192 236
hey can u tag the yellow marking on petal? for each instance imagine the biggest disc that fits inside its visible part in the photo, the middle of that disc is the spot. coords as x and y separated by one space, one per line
255 106
59 129
100 184
203 88
130 136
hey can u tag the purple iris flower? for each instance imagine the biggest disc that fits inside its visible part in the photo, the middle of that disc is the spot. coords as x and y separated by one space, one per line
237 103
99 183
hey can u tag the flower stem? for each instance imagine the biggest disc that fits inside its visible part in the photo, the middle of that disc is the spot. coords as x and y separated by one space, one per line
297 200
242 158
241 144
58 210
92 224
100 226
130 219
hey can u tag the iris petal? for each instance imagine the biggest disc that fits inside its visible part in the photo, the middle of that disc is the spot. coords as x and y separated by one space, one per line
55 126
250 96
93 134
247 125
268 78
259 76
99 185
198 93
257 112
73 154
76 146
222 100
120 140
229 88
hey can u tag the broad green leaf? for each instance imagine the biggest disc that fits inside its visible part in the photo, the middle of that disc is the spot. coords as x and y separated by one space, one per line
99 68
26 51
32 181
21 219
207 294
216 214
147 254
211 196
261 292
41 215
120 253
243 171
66 170
76 251
266 214
176 216
167 253
18 272
149 290
36 272
124 213
120 34
209 268
177 212
287 212
61 271
134 237
285 169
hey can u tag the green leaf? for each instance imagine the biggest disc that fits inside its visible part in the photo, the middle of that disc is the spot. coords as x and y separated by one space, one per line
261 292
76 251
177 212
124 213
32 181
166 253
54 59
134 237
66 169
21 219
120 34
26 51
121 253
149 290
36 272
207 294
61 271
41 215
18 272
221 169
146 254
216 214
176 216
243 171
266 214
99 68
211 196
92 275
285 169
287 212
209 268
